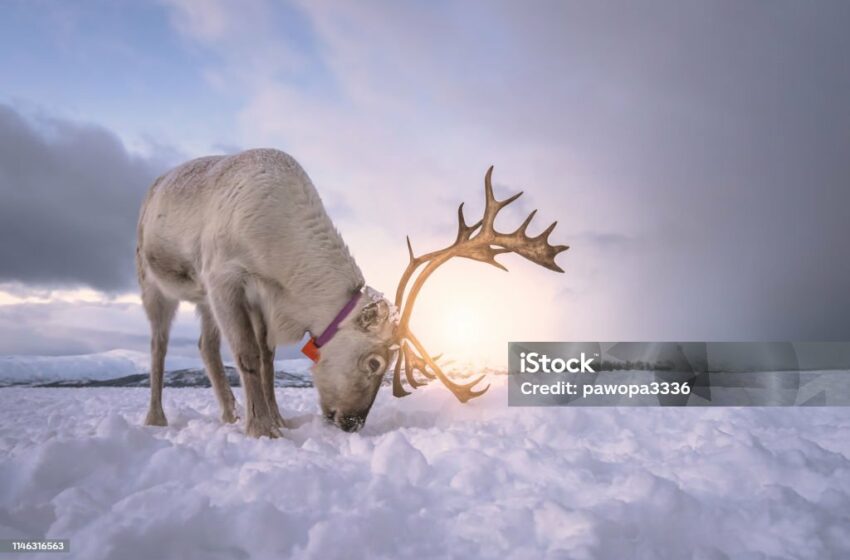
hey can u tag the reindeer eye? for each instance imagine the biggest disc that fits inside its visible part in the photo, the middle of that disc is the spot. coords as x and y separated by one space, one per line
374 363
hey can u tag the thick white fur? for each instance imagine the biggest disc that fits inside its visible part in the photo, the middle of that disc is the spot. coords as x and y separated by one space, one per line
247 239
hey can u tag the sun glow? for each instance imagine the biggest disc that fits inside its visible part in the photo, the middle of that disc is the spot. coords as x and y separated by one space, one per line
463 326
469 313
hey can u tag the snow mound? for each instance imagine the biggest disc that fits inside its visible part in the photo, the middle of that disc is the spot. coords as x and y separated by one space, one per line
426 478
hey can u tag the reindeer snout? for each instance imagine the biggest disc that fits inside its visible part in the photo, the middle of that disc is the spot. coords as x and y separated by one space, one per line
347 422
351 423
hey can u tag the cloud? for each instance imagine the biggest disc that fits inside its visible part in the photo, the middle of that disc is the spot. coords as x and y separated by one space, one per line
694 156
252 38
61 327
71 194
715 136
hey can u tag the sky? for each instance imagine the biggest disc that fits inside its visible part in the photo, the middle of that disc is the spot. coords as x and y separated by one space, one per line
696 156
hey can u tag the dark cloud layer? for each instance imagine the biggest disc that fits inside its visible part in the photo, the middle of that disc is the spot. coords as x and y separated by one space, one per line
70 199
717 135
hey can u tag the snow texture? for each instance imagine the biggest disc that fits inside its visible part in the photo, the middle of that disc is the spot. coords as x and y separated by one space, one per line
426 478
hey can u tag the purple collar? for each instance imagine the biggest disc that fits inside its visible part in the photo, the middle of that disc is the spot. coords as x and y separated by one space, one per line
311 349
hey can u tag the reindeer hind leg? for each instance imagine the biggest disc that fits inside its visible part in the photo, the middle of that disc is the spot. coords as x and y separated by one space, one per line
160 310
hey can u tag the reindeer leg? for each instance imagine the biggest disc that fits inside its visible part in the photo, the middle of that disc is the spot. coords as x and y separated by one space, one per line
160 310
231 309
266 366
210 347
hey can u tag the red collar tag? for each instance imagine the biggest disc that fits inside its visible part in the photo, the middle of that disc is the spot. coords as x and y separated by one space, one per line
311 349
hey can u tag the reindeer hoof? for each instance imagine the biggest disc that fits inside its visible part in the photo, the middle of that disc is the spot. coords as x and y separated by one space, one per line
228 412
155 418
262 428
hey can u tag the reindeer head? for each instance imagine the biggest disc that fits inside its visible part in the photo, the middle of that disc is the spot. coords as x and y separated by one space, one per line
374 329
480 242
365 339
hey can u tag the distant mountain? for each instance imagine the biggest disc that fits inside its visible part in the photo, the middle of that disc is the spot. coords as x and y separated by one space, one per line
191 377
126 368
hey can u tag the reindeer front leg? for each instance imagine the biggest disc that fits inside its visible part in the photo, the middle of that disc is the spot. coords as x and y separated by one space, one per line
210 347
231 308
266 366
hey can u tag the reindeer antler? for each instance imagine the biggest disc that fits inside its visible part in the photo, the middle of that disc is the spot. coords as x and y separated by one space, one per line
481 242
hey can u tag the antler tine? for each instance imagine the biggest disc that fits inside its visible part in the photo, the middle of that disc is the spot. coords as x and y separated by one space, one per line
491 205
545 233
410 365
463 392
464 232
409 248
418 363
398 389
510 199
521 229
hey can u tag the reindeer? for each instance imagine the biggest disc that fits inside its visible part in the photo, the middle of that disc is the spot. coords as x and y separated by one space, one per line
247 240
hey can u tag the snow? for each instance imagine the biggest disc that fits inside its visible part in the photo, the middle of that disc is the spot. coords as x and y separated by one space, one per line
22 369
426 478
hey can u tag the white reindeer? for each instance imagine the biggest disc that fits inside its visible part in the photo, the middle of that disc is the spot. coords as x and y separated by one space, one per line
247 240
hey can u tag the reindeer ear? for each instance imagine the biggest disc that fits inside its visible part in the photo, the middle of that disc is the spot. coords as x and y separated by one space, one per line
373 315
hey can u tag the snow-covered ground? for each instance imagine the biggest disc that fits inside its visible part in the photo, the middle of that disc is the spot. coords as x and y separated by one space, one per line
426 478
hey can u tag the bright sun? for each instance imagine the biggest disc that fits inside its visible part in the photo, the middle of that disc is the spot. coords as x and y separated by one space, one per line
463 326
469 312
462 330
